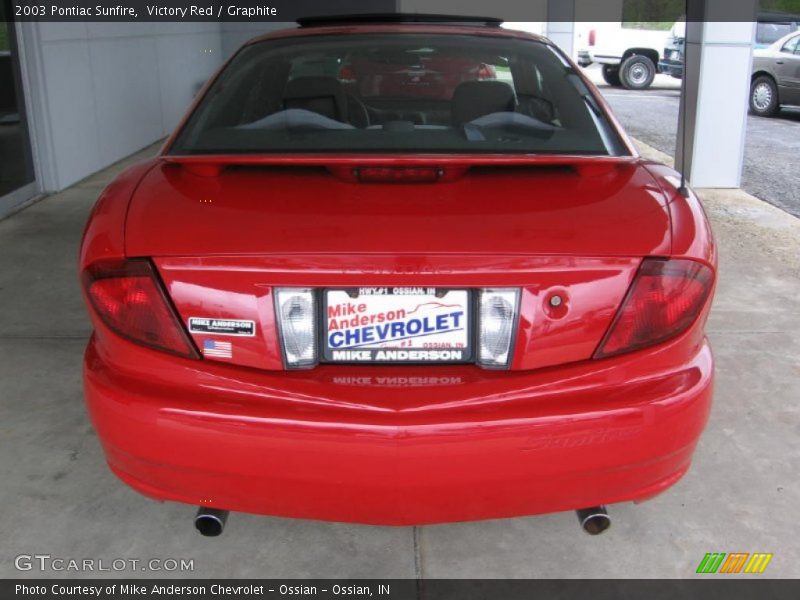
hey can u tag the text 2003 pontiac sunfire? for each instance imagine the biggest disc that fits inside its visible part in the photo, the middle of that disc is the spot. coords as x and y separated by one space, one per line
398 272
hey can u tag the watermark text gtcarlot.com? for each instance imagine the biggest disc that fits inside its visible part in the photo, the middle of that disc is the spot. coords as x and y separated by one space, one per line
47 562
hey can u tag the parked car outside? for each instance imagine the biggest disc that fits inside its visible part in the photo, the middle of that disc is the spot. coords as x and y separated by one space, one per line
767 33
672 60
628 56
776 76
435 284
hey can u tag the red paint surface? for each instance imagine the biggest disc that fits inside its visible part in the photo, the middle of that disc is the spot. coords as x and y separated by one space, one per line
400 444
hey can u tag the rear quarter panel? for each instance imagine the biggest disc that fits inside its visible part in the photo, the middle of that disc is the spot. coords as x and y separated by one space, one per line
104 234
692 236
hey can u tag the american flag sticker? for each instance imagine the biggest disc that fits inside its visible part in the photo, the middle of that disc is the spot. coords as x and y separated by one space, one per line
215 349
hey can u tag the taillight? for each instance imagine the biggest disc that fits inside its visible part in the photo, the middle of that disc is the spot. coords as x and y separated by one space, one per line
497 323
592 37
347 74
486 72
128 297
296 314
663 301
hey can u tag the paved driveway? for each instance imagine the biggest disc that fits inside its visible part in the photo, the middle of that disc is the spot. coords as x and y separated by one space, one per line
771 156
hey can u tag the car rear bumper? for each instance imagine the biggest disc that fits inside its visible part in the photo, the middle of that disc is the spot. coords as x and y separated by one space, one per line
402 445
584 58
671 67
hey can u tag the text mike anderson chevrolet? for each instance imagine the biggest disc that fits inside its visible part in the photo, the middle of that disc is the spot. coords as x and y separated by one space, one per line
403 324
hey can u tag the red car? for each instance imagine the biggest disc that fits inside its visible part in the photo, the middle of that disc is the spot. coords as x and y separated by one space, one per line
336 301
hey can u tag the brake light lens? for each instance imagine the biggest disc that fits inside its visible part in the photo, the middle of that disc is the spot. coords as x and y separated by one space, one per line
296 312
398 174
663 301
498 311
347 74
127 295
486 72
592 37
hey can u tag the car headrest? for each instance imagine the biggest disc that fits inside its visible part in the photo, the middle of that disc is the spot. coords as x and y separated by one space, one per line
473 99
322 95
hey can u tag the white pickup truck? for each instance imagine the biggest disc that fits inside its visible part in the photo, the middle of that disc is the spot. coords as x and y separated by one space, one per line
629 56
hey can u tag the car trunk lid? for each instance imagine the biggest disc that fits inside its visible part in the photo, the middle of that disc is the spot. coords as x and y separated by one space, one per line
584 208
223 237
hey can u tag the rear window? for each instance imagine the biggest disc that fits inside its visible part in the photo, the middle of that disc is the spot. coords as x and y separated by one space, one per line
769 33
790 47
398 93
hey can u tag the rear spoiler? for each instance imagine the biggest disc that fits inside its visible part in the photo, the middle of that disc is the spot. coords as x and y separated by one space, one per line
397 18
213 165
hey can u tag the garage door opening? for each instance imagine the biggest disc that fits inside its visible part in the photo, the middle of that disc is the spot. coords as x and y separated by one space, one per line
17 179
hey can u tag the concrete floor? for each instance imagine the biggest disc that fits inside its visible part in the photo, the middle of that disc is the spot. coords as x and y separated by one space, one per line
741 495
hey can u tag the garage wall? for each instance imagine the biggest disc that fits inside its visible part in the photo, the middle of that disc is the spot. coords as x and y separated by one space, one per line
98 92
237 33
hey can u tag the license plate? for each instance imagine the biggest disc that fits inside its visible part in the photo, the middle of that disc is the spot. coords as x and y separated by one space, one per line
397 325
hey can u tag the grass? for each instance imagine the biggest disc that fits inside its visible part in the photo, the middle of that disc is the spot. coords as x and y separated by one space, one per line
651 14
658 25
788 6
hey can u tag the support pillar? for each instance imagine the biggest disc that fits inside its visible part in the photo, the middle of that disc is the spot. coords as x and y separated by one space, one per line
712 120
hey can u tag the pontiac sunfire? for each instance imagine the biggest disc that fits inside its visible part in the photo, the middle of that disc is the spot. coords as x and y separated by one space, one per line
398 271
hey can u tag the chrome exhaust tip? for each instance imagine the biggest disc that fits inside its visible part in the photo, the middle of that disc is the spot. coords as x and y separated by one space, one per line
210 522
594 520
